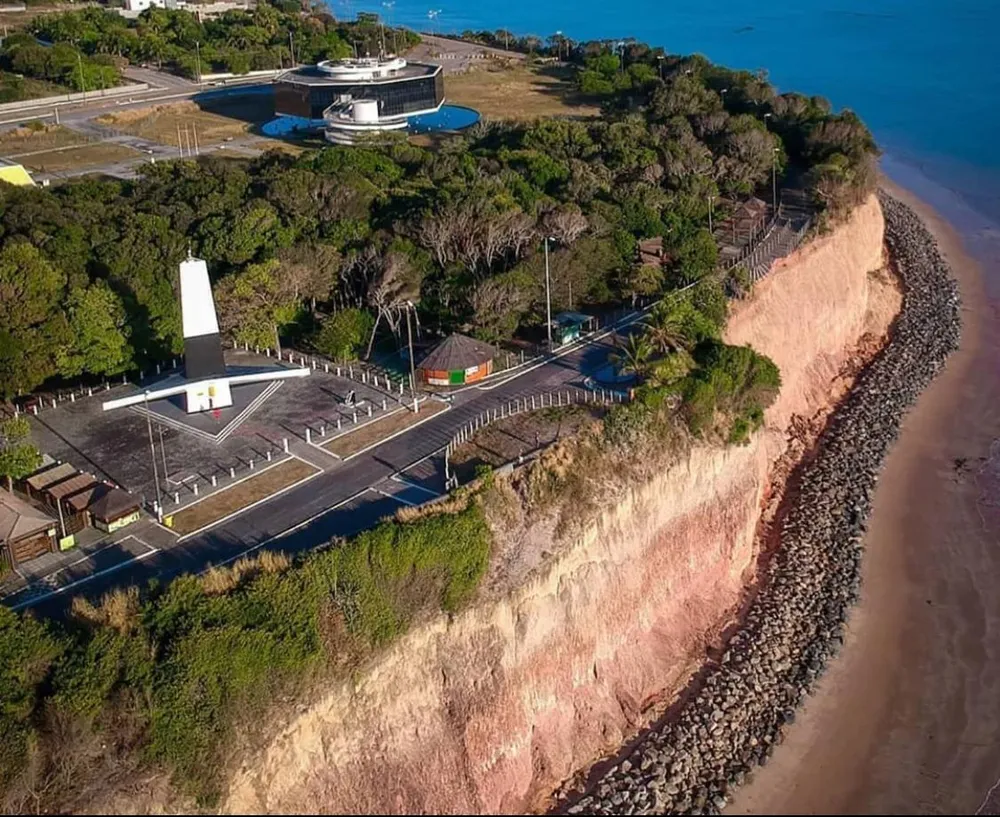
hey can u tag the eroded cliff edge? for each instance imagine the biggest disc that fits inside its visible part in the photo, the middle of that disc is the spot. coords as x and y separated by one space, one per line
492 709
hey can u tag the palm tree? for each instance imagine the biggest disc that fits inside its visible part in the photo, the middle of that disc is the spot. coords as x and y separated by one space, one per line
665 329
632 354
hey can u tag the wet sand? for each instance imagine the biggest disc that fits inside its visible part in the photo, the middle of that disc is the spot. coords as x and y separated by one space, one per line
907 720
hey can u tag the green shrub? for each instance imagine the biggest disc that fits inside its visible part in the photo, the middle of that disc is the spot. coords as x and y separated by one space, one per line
198 668
28 650
732 381
344 334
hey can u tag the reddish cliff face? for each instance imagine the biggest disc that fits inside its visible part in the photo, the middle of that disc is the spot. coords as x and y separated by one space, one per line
491 710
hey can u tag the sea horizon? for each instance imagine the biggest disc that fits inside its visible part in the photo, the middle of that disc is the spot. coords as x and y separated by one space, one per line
923 74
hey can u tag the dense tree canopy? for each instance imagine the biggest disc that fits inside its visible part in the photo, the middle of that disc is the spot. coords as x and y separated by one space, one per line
238 41
457 230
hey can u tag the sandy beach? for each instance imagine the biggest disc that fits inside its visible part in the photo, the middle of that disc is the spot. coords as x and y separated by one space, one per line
906 720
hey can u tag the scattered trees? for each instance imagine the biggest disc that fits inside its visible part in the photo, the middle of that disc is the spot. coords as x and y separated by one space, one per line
18 457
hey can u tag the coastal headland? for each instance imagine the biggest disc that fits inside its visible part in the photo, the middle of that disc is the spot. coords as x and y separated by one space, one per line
501 703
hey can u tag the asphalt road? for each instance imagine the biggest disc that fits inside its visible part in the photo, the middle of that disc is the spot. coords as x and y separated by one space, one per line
345 499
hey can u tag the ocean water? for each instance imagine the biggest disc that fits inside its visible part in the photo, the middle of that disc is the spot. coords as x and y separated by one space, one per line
924 74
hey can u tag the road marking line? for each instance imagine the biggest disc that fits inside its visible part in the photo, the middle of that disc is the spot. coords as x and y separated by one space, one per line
404 481
60 590
252 505
402 431
398 499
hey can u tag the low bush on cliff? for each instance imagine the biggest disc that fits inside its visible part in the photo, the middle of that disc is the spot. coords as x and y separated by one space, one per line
729 389
176 679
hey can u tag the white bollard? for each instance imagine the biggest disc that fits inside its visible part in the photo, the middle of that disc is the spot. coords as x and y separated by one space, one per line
269 455
53 404
215 481
494 415
251 465
400 386
338 371
175 363
364 377
326 368
157 368
267 353
322 431
34 409
369 409
177 497
308 435
194 487
338 424
124 379
314 364
284 443
232 472
256 349
350 372
355 418
90 392
532 402
72 397
383 404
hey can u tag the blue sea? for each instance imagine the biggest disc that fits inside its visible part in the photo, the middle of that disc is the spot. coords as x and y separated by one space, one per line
924 74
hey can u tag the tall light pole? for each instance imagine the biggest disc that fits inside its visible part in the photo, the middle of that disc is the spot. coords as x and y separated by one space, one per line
710 200
152 454
659 62
197 52
413 373
548 296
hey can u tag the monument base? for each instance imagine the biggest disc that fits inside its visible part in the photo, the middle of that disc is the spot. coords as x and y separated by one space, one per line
207 395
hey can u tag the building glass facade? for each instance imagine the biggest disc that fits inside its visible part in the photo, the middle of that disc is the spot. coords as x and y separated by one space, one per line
396 97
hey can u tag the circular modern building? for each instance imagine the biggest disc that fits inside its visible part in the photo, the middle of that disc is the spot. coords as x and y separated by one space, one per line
355 98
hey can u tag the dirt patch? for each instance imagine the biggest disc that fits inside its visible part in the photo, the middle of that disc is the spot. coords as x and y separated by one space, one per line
72 158
518 92
162 123
370 433
28 140
239 496
506 440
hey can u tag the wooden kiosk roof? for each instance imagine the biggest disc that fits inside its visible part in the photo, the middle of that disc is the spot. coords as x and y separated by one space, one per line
457 352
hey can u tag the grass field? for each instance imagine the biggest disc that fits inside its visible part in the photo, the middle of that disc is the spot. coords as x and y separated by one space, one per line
94 154
517 92
370 433
220 505
28 140
162 123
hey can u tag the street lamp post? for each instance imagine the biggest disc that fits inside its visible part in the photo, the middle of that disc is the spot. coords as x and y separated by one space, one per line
413 373
152 454
710 200
197 52
548 297
659 62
